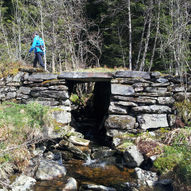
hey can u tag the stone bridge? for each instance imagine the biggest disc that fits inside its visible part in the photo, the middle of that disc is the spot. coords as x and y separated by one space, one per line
127 101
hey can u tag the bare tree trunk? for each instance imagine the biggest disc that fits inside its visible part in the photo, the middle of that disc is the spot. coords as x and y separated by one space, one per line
147 38
156 36
53 46
130 35
42 32
141 43
122 50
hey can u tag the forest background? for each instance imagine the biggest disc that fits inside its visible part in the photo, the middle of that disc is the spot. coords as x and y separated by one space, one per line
140 35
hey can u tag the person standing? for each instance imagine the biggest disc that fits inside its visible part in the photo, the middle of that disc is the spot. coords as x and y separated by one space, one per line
38 47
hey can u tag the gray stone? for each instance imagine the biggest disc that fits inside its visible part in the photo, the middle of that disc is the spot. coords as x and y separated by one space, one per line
48 170
117 132
116 109
151 121
86 76
11 95
79 141
50 94
141 99
129 81
39 89
66 102
158 90
58 88
23 183
124 103
18 77
68 146
146 178
120 122
160 84
132 156
166 100
139 89
132 74
24 90
71 184
140 84
162 80
172 120
39 77
152 109
156 74
61 116
118 89
181 96
178 89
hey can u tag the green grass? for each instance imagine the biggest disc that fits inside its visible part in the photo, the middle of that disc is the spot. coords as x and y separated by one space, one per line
20 126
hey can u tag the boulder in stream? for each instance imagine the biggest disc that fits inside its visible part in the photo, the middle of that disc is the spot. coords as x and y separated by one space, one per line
49 169
71 185
23 183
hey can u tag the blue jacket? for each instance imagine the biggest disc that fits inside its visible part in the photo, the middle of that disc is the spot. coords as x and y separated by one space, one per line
37 42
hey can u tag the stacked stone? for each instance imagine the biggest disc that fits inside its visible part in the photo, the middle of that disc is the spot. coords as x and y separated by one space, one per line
43 88
142 101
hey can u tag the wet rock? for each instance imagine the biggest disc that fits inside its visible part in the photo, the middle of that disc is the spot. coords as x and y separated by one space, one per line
92 187
119 89
23 183
132 156
146 178
102 152
120 122
68 146
152 109
48 170
79 141
70 185
164 185
152 121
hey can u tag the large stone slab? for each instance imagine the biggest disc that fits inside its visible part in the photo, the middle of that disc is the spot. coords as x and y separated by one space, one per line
132 74
39 77
119 89
152 121
50 94
86 76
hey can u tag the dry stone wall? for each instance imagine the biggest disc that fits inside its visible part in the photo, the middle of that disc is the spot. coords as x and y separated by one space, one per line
43 88
143 101
139 101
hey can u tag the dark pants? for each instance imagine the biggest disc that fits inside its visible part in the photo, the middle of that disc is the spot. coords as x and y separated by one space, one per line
38 58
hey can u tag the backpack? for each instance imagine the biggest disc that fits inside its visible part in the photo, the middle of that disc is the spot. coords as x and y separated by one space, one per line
40 44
